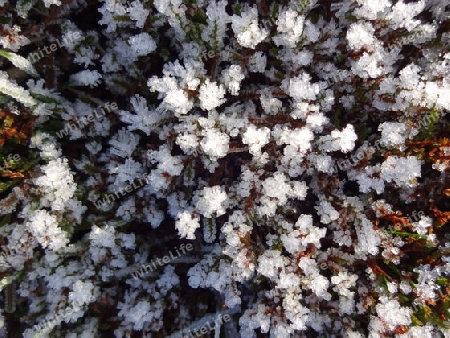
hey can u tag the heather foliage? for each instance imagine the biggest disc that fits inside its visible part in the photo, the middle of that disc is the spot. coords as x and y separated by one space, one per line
298 147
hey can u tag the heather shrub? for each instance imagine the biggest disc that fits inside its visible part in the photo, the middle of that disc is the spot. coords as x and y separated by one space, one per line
236 169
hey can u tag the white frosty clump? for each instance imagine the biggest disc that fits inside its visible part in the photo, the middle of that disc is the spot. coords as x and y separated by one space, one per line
11 39
246 28
270 104
138 13
44 227
57 183
48 3
269 263
403 13
290 27
401 170
187 224
211 95
215 143
327 212
124 143
279 138
138 314
345 139
82 292
142 44
212 201
371 10
277 187
392 313
393 134
232 78
300 138
257 62
339 140
187 142
361 35
256 138
343 282
309 234
368 239
87 77
102 237
300 88
178 101
421 227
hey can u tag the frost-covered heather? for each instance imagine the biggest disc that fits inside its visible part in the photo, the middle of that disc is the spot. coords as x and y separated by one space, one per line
288 142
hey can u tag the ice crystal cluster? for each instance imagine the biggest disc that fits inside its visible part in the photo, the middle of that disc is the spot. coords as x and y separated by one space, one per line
291 143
